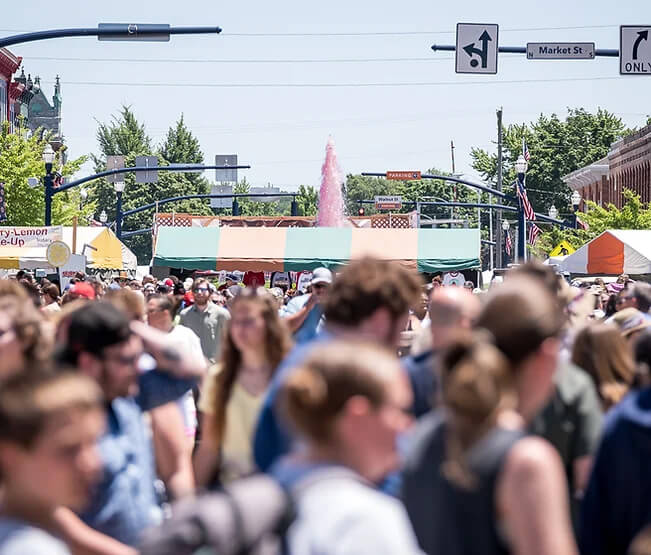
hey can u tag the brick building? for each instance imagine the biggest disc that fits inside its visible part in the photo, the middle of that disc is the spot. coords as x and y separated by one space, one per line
627 166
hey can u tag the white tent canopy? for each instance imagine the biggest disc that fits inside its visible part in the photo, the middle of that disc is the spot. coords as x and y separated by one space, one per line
614 252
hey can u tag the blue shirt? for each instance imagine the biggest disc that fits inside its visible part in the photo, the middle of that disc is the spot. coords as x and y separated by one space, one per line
124 503
617 502
313 321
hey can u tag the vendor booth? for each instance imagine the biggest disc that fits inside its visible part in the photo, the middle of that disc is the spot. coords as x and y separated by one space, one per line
297 249
613 252
26 248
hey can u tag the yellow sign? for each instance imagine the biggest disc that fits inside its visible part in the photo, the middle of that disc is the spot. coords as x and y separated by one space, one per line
58 254
562 249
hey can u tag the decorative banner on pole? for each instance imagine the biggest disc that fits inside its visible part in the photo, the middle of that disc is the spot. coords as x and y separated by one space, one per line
3 205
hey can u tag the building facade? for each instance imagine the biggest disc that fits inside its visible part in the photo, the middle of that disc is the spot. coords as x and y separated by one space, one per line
627 166
10 91
45 116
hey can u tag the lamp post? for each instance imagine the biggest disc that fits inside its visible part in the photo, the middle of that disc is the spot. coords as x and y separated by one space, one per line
119 189
103 218
553 212
48 158
83 195
576 201
521 169
505 228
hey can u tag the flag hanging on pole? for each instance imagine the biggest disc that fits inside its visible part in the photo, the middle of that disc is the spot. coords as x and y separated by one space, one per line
526 205
509 244
583 225
525 150
534 231
3 205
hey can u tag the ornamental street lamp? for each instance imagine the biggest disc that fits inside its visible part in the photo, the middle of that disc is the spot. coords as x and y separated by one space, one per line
103 218
576 201
119 189
505 228
521 169
553 212
48 158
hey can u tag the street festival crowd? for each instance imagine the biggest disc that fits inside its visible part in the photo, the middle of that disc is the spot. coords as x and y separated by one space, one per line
373 412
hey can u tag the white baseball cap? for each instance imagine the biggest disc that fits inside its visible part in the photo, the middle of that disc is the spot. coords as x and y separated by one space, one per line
321 275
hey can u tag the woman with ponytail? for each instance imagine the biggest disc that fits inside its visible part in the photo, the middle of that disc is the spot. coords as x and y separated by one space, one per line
256 341
348 402
474 481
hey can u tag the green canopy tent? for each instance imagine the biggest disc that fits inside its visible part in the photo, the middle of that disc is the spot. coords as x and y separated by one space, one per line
297 249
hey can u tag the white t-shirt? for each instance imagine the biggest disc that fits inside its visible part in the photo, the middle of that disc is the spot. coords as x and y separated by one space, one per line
19 538
342 515
186 339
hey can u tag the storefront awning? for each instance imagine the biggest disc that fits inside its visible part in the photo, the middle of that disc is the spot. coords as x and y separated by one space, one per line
296 249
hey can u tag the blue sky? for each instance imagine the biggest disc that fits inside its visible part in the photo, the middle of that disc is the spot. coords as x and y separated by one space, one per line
282 131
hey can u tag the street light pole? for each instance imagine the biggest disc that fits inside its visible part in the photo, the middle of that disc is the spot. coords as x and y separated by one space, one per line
521 170
502 249
119 189
111 31
48 158
576 201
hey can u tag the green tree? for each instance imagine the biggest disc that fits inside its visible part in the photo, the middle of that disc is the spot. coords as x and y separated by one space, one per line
557 147
250 207
307 200
20 159
125 135
634 214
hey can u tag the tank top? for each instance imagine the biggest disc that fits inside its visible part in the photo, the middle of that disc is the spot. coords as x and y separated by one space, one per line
449 518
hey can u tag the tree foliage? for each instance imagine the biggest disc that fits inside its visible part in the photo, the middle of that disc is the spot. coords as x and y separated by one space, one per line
557 147
307 200
21 158
634 214
125 135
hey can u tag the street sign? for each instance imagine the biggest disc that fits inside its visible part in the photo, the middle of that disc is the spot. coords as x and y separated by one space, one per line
560 50
226 176
388 203
115 163
221 190
476 50
562 249
133 31
264 191
403 175
149 176
634 50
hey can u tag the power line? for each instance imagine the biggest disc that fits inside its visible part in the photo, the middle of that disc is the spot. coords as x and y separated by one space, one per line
235 61
379 33
334 85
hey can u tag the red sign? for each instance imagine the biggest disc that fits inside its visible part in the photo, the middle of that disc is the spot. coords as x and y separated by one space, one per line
403 176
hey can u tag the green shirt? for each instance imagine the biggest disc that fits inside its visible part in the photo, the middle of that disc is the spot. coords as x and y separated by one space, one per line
209 325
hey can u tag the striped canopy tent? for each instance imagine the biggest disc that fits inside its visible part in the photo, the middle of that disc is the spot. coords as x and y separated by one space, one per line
104 251
297 249
614 252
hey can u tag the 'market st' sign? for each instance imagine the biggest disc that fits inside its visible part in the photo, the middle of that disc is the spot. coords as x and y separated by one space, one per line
560 50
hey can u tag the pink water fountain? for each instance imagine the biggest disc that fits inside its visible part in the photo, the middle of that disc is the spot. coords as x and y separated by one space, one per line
331 202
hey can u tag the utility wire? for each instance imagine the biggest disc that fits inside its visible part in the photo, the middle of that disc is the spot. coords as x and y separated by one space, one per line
335 85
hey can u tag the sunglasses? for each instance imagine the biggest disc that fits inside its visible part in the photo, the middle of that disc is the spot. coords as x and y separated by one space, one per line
201 290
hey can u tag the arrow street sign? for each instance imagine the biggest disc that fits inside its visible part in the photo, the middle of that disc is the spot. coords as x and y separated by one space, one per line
560 50
634 50
403 176
476 50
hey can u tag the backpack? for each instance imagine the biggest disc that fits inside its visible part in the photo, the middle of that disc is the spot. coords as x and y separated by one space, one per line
249 517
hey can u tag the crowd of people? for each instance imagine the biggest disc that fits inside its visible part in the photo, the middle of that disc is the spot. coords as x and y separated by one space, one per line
372 412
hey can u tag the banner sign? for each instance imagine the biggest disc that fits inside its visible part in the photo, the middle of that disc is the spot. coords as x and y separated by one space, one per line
29 237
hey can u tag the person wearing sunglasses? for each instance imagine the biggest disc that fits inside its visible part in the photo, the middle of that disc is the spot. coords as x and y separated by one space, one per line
206 319
304 314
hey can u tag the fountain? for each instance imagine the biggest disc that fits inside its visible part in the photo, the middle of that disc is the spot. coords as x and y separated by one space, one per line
331 202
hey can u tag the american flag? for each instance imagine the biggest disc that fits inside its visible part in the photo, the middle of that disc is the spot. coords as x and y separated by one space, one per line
534 231
525 150
509 245
526 205
583 225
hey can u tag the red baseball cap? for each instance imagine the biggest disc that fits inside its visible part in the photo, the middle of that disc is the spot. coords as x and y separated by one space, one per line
83 289
169 282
